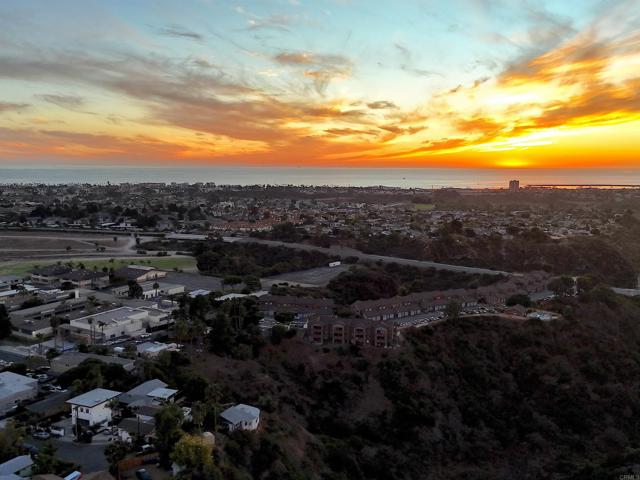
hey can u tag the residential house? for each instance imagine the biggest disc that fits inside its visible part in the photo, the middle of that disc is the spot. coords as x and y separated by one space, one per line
92 408
241 417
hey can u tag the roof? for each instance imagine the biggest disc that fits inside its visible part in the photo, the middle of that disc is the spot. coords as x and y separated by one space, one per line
9 278
113 316
69 360
148 410
51 270
198 292
94 397
163 393
141 391
83 275
131 272
240 413
133 426
11 383
15 464
146 387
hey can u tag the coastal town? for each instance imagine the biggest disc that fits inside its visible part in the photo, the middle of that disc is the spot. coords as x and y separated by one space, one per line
102 284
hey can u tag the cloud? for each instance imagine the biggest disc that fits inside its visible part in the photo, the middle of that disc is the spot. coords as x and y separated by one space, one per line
13 107
321 69
273 22
180 32
340 132
69 102
382 105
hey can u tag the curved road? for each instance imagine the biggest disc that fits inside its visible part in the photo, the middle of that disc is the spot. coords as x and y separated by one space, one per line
350 252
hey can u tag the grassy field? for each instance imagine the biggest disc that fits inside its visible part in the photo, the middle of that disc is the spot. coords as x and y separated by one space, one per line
164 263
423 206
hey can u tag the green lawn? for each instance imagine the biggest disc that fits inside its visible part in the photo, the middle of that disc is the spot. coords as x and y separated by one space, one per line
424 206
163 263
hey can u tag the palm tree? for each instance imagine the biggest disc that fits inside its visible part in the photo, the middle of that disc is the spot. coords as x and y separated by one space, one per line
90 322
55 323
40 337
101 324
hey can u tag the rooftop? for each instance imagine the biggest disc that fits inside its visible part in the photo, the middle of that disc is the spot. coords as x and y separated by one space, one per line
163 393
116 315
94 397
240 413
15 465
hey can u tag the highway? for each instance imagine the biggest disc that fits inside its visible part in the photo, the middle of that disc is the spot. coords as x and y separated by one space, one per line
350 252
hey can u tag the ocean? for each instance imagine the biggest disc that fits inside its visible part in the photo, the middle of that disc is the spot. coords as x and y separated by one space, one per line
356 177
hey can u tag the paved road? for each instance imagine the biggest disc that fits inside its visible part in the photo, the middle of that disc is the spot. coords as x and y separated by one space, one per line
350 252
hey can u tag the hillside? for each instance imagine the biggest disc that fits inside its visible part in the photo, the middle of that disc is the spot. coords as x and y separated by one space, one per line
474 398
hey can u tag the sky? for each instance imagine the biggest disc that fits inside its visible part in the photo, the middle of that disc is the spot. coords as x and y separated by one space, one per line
408 83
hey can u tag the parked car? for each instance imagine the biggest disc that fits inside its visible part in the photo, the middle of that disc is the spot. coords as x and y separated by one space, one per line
57 431
41 435
142 474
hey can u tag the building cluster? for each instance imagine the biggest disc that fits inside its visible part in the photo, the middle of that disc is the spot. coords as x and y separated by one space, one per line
377 322
334 211
89 306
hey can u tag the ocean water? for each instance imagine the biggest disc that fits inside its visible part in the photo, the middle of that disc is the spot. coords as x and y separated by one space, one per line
357 177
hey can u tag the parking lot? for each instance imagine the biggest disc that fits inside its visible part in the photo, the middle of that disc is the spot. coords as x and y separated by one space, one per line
314 277
428 318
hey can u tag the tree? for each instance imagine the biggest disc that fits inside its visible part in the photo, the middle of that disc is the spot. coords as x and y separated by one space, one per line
168 431
11 437
586 283
47 462
277 334
55 323
115 452
5 323
519 299
135 290
193 453
562 286
221 338
52 353
453 310
40 338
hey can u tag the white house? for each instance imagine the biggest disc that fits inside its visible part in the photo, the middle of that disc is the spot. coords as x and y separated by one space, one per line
241 417
92 408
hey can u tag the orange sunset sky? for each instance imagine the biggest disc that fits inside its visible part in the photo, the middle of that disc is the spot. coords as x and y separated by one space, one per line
480 83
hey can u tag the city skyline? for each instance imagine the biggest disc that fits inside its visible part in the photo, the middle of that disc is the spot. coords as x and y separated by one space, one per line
325 83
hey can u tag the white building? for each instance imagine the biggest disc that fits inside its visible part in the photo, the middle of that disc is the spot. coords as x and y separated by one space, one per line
151 290
241 417
14 389
92 408
119 322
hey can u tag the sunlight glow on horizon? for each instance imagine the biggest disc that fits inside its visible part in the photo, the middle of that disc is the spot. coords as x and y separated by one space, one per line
323 83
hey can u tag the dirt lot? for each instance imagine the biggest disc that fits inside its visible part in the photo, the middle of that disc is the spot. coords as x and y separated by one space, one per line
31 245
